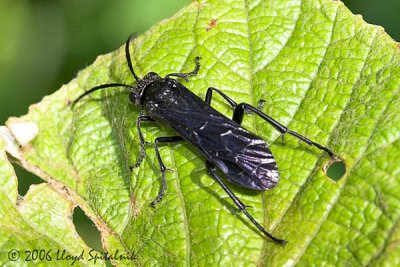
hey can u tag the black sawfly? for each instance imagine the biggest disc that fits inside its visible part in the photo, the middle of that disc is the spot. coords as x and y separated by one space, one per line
243 157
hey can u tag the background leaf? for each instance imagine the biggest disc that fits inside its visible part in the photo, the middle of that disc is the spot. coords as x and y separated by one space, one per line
323 71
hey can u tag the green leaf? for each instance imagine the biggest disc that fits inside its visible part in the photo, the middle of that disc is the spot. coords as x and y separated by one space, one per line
37 228
324 73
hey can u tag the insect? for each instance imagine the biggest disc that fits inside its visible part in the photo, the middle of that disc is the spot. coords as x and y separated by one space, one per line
243 157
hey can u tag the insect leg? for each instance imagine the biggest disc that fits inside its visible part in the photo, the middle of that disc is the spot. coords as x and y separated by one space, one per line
186 75
142 141
243 107
169 139
227 98
242 207
261 104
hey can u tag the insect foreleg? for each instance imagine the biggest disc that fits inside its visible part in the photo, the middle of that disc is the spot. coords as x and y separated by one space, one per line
243 107
169 139
242 207
142 141
186 75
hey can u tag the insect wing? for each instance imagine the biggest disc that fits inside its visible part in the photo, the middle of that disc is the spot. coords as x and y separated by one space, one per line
242 156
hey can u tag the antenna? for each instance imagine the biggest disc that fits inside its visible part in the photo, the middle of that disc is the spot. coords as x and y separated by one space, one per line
108 85
128 57
103 86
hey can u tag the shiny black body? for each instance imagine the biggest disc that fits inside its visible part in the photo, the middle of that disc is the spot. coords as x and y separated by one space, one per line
243 157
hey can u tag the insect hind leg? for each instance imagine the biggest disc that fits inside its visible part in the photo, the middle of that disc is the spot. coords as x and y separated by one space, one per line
186 75
241 206
168 139
230 101
210 90
242 108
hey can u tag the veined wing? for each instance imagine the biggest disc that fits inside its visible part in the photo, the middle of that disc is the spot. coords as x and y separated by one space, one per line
242 156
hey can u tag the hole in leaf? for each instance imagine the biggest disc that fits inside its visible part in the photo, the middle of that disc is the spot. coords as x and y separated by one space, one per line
25 179
87 230
335 170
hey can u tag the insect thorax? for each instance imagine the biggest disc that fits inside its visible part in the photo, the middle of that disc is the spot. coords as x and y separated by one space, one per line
136 96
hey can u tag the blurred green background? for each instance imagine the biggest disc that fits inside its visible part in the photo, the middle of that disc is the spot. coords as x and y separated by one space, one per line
44 43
